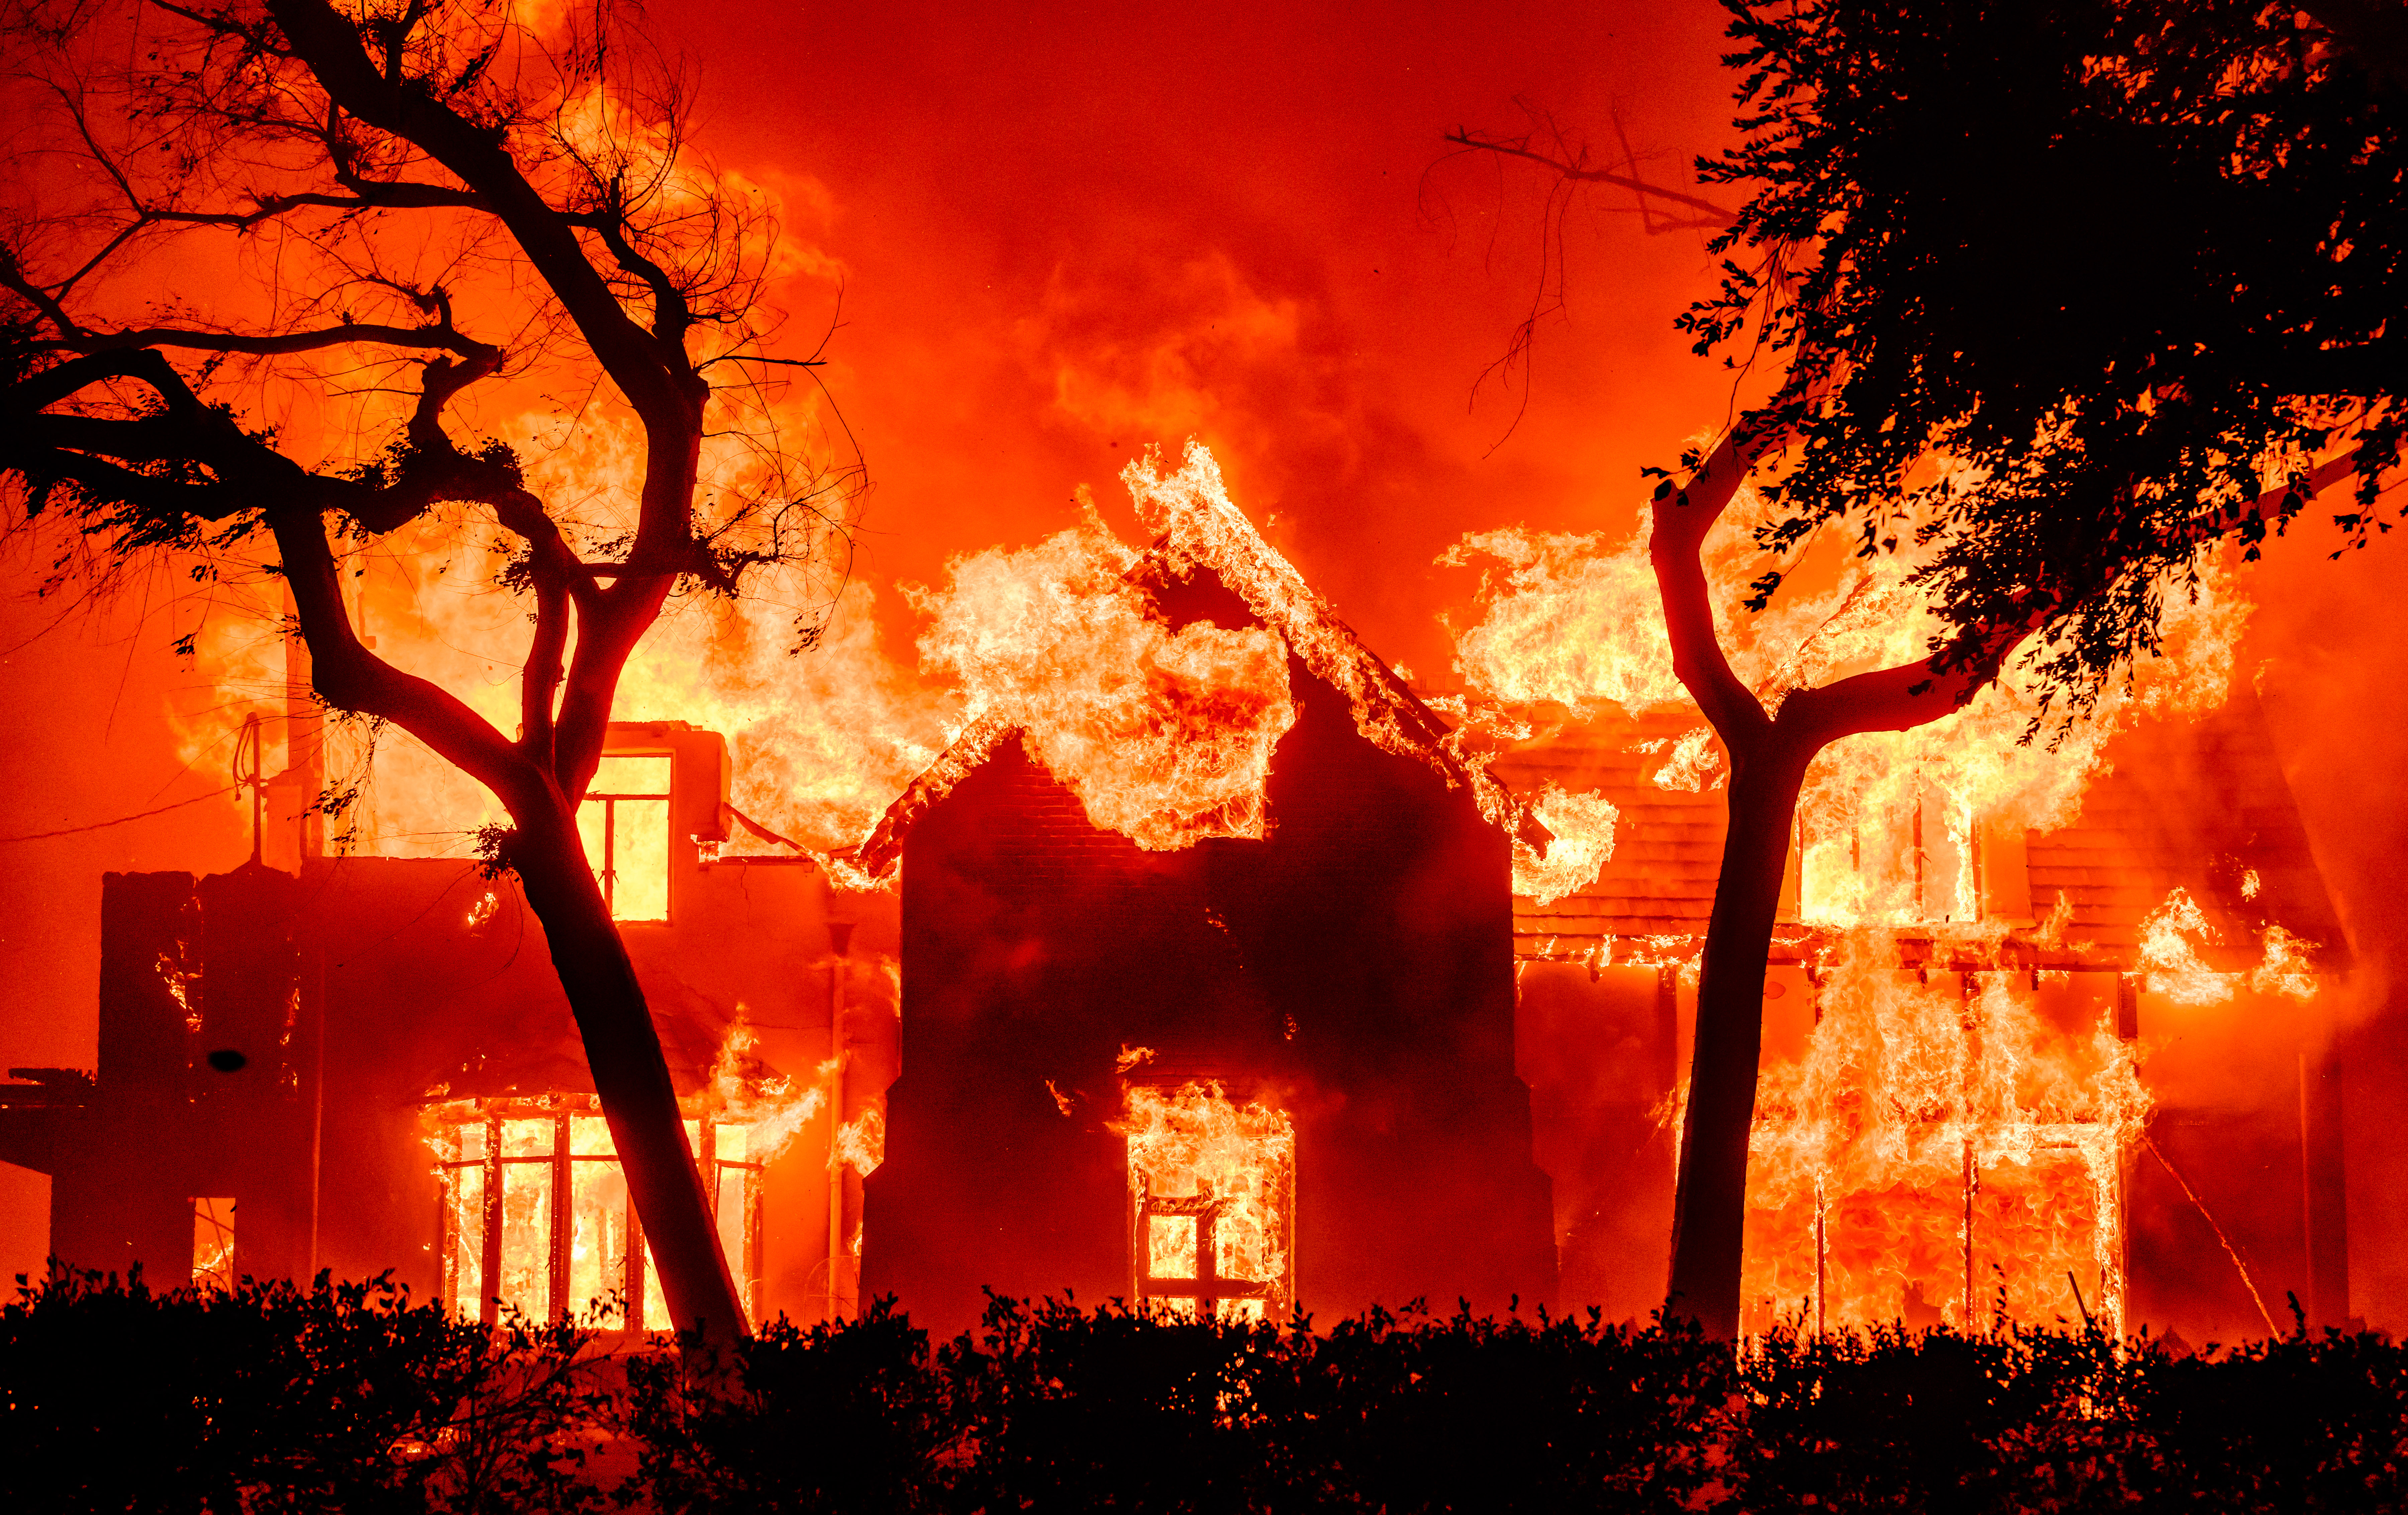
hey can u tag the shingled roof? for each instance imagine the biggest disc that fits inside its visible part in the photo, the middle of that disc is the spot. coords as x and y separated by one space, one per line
1668 843
2201 805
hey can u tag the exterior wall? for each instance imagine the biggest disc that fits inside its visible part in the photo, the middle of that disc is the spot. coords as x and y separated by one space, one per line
2249 1115
2248 1103
1355 967
1602 1050
364 987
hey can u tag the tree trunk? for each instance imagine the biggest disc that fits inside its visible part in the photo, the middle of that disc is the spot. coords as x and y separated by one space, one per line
1710 1203
623 1050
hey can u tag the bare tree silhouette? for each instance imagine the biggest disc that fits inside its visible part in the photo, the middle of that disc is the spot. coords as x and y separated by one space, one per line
425 201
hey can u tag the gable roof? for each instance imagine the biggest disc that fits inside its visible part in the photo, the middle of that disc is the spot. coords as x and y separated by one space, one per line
1207 542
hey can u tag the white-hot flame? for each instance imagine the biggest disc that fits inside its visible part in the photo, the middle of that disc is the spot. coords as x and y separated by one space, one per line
1165 736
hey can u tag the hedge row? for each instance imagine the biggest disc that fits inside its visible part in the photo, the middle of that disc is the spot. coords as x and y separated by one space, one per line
351 1398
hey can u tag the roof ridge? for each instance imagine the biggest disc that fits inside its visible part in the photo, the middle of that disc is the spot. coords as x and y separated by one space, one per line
1197 525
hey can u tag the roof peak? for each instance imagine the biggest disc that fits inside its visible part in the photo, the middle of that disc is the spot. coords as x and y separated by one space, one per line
1199 529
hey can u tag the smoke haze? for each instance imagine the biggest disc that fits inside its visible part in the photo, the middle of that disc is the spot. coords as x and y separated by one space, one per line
1065 234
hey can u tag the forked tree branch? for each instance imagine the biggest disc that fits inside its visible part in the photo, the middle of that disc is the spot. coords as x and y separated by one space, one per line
539 677
658 385
352 677
1682 516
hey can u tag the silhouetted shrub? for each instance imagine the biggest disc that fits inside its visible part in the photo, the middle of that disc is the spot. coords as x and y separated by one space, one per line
349 1398
269 1398
1470 1412
2303 1423
848 1417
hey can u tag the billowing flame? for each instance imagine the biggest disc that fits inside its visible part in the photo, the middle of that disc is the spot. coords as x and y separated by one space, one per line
2286 970
861 1143
1165 736
1690 763
1888 824
1572 623
1193 1142
1201 527
1932 1123
2170 937
1582 825
769 1107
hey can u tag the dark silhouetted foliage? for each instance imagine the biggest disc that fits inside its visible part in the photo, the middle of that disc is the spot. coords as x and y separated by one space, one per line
349 1398
2125 265
269 1398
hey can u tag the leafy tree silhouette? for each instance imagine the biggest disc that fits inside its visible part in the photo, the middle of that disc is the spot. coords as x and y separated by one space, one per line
425 202
2061 297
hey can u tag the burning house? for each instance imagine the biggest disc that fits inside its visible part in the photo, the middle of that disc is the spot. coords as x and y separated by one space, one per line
1267 1064
359 1064
2003 1066
1208 966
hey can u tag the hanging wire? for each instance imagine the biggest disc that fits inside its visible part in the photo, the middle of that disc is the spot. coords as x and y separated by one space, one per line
251 772
104 825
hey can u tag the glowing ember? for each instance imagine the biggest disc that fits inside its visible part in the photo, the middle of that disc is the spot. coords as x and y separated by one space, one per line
213 1244
179 981
1201 1165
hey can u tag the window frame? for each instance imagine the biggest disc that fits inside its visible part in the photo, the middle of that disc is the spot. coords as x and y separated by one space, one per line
608 872
489 1114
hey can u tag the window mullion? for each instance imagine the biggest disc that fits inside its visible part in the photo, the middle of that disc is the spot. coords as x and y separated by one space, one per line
563 1215
489 1306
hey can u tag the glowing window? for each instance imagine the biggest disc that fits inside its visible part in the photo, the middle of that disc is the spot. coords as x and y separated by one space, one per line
1212 1202
1883 858
213 1244
534 1197
626 823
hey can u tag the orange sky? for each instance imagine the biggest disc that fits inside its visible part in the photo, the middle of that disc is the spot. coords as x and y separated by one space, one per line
1071 231
1130 223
